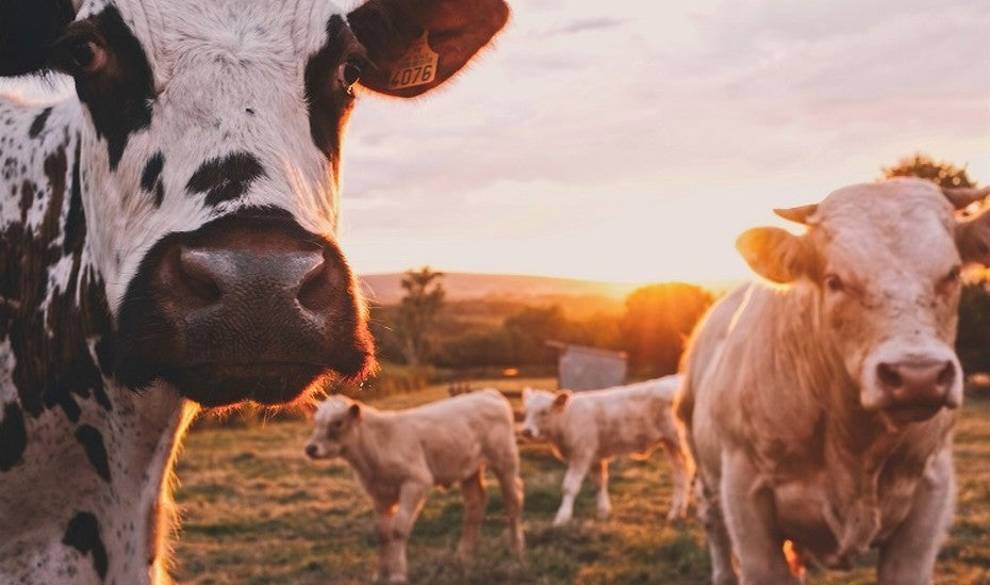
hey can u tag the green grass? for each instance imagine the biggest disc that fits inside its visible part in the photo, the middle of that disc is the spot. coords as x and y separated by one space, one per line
256 512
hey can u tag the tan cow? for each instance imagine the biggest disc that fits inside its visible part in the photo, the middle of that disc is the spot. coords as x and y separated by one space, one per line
587 429
820 408
399 455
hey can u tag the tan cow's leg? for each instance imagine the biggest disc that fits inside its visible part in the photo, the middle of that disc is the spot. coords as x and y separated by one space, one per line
908 557
719 544
411 498
681 478
748 508
573 479
512 496
475 498
599 475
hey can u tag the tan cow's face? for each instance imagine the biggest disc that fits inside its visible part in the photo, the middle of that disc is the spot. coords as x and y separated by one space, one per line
335 422
884 265
540 410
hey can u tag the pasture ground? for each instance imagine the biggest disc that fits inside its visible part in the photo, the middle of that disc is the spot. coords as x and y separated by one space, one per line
256 512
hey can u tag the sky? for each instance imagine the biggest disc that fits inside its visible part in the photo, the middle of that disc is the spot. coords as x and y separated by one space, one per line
633 141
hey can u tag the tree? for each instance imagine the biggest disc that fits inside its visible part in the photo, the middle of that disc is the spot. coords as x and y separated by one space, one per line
942 173
418 312
658 320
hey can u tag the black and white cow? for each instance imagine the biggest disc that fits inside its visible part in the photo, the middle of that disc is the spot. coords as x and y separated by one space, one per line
167 240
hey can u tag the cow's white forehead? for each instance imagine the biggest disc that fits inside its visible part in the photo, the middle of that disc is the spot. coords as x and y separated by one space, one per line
537 398
900 224
331 408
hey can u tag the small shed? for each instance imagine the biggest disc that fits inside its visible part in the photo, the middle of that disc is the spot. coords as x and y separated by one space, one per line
589 368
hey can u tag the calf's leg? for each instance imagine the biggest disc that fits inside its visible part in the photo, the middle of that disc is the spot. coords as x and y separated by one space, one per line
412 494
384 528
681 478
908 557
719 544
475 498
511 486
576 470
599 475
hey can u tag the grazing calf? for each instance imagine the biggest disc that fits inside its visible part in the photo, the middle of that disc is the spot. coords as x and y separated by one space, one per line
586 429
167 239
399 455
820 410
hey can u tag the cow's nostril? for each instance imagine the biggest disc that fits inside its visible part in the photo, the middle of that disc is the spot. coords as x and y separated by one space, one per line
889 376
318 289
947 377
311 451
197 275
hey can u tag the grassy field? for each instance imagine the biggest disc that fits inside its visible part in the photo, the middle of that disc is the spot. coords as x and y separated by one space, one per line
256 512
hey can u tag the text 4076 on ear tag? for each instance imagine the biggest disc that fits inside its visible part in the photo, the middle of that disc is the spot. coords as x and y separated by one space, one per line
417 67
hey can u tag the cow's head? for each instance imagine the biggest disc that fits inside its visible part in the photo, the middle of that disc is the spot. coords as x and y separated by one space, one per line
542 410
335 424
210 147
883 263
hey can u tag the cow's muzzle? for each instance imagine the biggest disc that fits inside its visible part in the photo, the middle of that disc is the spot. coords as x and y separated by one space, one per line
913 387
248 307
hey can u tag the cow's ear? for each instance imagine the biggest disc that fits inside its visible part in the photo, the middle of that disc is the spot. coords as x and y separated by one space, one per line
354 412
561 399
415 45
28 30
973 239
776 254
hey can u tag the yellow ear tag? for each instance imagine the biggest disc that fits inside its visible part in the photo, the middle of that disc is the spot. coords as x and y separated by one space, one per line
417 67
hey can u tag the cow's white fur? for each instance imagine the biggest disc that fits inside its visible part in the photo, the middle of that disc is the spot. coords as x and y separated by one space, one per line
779 394
211 61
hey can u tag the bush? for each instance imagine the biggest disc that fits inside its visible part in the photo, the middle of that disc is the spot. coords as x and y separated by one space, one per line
973 343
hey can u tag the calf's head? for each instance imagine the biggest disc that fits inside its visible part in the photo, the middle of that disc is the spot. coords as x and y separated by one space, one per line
210 147
541 411
883 263
336 422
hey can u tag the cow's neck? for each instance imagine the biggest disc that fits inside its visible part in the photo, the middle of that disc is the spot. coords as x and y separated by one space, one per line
856 444
83 460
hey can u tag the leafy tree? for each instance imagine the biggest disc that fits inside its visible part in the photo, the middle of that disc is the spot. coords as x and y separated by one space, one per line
942 173
973 343
418 312
657 322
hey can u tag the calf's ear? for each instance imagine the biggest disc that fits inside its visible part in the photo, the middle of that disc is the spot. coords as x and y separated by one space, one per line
973 239
354 412
561 399
28 29
775 254
416 45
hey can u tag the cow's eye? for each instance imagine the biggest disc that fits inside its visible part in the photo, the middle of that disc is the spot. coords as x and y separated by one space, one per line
350 73
833 283
954 276
81 54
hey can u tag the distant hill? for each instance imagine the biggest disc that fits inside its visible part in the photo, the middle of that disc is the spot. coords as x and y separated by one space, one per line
386 289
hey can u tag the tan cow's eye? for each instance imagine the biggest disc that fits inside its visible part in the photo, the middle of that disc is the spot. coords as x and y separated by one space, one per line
833 283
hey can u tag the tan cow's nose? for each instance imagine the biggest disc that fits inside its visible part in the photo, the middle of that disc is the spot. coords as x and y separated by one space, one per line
917 382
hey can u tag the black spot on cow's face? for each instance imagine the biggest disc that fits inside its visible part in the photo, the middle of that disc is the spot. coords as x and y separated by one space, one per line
151 178
39 123
83 534
118 95
96 451
27 30
13 437
329 103
227 178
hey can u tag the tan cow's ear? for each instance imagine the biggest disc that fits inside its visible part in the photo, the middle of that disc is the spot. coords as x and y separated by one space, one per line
355 412
416 45
973 239
561 399
775 254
